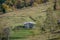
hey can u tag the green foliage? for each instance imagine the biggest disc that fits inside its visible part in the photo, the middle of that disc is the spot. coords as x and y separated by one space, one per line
13 1
22 34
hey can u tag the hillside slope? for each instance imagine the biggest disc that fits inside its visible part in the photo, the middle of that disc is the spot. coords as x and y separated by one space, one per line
40 15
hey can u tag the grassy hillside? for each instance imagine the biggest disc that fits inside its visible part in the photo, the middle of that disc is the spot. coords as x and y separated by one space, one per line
44 17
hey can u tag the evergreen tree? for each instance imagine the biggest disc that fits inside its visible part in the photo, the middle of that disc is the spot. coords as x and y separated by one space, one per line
1 7
2 1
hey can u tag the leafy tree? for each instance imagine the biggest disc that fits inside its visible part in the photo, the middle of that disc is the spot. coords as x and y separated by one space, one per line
1 7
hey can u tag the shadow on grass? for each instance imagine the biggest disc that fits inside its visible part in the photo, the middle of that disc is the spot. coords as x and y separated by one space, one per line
54 39
17 37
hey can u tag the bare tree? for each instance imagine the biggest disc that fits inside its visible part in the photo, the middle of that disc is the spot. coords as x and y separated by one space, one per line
6 32
31 2
55 1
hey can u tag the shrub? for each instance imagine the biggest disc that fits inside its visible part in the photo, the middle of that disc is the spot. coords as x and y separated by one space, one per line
6 7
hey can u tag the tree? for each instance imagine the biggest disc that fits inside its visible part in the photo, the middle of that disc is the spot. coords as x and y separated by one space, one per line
1 7
2 1
55 1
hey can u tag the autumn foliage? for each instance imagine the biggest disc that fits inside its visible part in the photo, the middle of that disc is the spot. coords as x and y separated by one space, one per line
9 5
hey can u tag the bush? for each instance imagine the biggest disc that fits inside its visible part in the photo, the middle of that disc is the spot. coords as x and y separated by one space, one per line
19 4
6 7
38 1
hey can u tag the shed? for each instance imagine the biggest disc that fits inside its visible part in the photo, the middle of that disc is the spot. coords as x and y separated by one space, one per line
29 25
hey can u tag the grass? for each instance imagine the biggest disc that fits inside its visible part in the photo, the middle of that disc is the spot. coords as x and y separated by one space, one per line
19 17
21 34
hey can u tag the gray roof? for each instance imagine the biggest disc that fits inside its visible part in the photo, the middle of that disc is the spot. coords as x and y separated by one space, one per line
29 22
